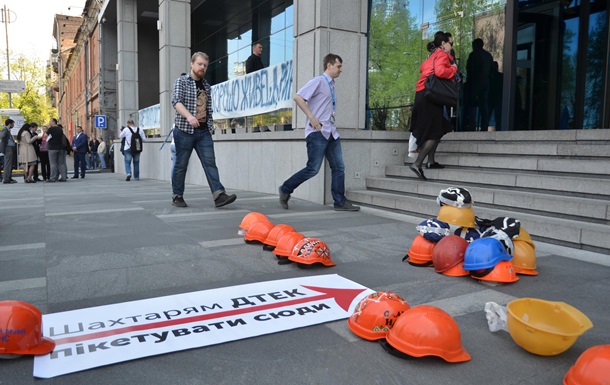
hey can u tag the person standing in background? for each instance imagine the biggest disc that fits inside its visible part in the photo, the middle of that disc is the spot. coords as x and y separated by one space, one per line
254 62
45 166
101 152
8 146
80 147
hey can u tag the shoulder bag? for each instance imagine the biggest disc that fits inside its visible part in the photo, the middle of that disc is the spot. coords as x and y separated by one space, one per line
443 92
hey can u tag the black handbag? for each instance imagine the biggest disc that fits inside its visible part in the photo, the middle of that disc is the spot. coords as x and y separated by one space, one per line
443 92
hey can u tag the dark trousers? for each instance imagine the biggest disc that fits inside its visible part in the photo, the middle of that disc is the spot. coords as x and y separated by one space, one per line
45 166
79 161
9 159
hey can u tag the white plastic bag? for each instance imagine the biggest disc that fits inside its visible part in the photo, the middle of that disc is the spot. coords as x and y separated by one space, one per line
496 317
412 147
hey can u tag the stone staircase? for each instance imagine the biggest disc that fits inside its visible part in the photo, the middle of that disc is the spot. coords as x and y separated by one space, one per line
557 183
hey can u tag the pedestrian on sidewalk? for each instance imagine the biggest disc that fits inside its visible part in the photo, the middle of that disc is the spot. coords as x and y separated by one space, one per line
8 146
317 99
58 146
192 99
80 146
131 153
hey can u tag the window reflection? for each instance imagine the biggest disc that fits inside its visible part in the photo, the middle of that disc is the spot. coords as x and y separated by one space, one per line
596 60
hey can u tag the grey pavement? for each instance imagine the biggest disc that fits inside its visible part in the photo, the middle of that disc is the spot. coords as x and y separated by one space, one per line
103 240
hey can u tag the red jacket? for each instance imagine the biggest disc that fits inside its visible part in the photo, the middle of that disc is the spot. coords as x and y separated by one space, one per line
442 68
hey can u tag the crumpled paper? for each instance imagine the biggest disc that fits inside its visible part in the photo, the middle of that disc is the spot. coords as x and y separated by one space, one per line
496 317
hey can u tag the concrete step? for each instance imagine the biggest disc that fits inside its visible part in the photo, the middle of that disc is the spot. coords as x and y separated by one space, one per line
586 186
572 233
562 206
578 166
525 148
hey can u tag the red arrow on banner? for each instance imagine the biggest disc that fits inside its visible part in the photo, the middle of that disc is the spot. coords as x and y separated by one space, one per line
343 298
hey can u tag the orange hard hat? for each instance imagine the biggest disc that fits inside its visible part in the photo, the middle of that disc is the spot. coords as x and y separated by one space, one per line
503 272
420 253
251 218
311 250
258 231
426 330
376 314
275 234
448 252
524 258
21 329
591 368
457 271
286 243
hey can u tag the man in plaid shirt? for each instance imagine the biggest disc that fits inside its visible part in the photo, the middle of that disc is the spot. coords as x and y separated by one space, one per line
193 126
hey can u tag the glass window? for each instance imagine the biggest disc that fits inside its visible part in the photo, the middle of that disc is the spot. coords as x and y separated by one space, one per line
596 62
569 60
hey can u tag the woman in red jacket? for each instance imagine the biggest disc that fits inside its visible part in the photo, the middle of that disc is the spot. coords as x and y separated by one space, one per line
428 121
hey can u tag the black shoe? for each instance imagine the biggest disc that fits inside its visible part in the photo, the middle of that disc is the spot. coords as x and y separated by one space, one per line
177 201
283 198
62 180
129 178
224 199
435 165
38 180
347 206
419 172
75 177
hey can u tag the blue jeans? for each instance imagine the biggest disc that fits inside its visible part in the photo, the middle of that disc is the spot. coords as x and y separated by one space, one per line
201 141
102 159
136 163
95 160
317 148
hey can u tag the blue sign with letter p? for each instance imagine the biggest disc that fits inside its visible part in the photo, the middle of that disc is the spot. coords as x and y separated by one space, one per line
100 121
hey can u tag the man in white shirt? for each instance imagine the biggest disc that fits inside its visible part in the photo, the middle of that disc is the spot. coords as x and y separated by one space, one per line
127 133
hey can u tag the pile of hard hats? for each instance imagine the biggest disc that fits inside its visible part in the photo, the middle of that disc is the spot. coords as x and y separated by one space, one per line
21 330
488 250
408 331
287 244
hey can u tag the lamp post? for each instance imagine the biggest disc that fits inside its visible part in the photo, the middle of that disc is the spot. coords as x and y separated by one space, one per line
6 20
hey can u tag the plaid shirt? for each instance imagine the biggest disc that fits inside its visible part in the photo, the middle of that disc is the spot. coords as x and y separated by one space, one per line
185 92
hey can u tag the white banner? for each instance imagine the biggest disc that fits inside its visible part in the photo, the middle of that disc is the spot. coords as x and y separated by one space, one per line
104 335
266 90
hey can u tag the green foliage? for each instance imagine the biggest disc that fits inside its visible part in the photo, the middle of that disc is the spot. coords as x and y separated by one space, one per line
34 103
394 60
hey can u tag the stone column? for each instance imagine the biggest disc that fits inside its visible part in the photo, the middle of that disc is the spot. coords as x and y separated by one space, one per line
127 76
174 53
338 26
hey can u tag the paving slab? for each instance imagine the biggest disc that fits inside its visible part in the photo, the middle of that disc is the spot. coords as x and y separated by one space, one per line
103 240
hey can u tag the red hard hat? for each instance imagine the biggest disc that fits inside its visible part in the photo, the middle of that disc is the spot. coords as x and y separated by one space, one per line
448 252
21 329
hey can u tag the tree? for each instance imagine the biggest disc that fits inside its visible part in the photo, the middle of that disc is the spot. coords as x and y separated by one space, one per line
394 60
34 103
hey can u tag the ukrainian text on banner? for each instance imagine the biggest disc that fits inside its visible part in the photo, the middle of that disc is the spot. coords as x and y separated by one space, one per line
267 90
105 335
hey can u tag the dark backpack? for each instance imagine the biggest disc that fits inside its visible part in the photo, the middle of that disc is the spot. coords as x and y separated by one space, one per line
136 141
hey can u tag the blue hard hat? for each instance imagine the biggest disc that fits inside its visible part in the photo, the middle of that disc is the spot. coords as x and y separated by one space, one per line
485 253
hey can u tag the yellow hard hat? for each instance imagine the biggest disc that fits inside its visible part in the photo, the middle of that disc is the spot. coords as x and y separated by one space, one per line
524 258
463 217
545 328
524 236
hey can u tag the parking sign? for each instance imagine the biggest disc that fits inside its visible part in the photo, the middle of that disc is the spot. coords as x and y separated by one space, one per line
100 121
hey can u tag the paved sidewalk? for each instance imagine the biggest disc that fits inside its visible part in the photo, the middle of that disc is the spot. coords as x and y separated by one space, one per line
102 240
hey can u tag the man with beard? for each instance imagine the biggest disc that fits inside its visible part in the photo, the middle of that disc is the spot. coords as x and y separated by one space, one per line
193 126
